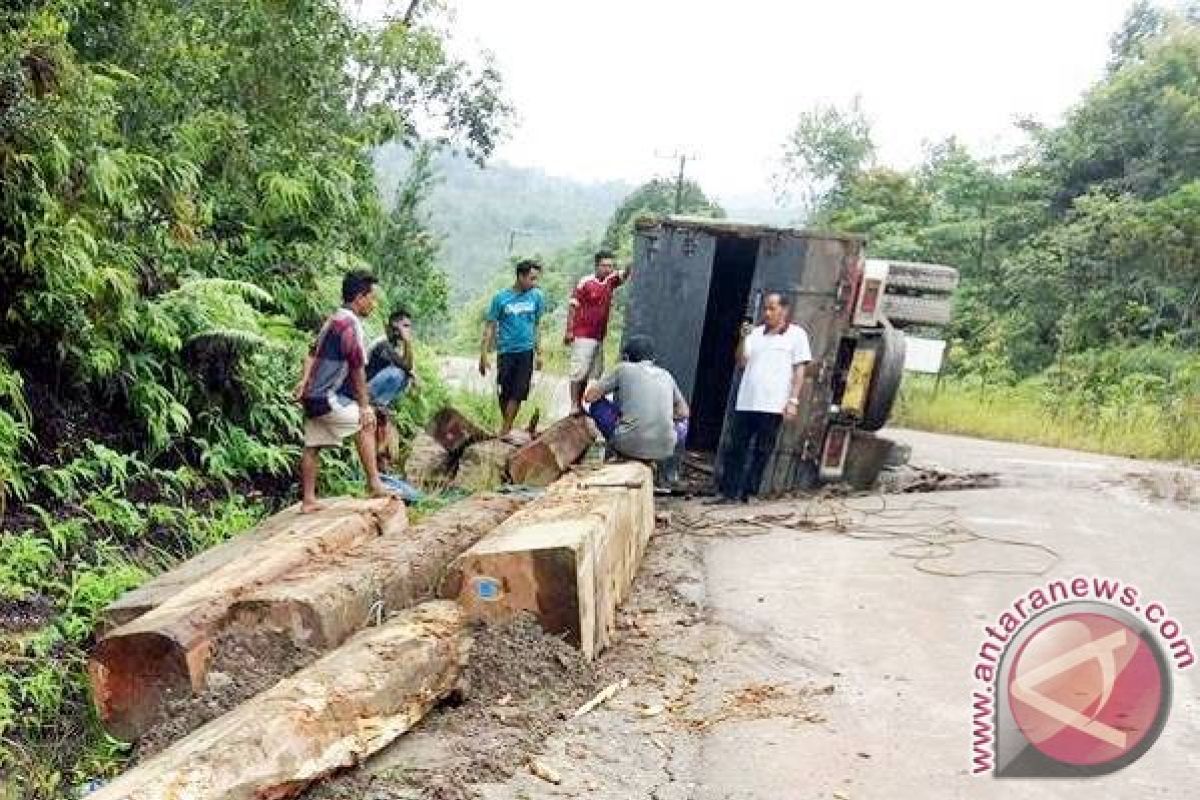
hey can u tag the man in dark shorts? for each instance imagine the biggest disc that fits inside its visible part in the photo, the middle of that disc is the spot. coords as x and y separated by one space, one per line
512 325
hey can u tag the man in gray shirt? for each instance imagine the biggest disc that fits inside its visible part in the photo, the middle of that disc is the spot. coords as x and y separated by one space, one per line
648 413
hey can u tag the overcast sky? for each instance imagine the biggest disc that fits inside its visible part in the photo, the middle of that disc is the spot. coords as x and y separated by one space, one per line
602 87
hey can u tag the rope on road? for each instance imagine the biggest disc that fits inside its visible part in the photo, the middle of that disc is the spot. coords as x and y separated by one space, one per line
923 542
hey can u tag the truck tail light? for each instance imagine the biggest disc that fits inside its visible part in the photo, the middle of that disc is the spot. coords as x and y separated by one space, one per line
833 455
870 299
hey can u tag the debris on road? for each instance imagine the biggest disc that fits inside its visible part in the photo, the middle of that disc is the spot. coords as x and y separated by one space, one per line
910 479
605 694
544 771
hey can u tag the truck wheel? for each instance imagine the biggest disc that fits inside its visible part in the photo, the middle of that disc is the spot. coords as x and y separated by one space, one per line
905 309
885 380
931 278
865 459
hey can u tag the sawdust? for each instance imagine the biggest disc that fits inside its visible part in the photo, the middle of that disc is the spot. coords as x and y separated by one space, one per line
246 663
762 701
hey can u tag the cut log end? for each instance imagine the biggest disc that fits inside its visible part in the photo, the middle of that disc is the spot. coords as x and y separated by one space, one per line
134 679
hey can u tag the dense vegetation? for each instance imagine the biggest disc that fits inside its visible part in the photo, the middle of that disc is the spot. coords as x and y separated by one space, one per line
181 185
1080 254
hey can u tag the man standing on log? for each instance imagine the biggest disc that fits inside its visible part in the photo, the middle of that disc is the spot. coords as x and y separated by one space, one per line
512 324
773 356
587 323
334 391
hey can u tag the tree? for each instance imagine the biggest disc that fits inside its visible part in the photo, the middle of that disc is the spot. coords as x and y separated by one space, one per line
824 153
655 198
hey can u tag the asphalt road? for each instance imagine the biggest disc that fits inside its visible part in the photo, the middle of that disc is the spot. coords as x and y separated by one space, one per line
838 663
825 665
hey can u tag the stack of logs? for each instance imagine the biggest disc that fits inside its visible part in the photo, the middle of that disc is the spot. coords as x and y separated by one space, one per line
356 582
456 451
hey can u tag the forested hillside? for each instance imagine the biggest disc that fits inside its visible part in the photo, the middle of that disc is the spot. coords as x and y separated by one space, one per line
477 212
181 187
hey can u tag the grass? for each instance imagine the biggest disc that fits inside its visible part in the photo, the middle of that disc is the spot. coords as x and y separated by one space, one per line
1034 412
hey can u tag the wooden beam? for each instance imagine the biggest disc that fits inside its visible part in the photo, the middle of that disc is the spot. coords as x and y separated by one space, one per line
454 431
136 668
158 590
547 457
568 557
331 715
428 465
484 465
322 603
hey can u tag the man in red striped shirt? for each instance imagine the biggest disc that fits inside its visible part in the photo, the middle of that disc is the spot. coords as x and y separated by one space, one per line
587 323
334 391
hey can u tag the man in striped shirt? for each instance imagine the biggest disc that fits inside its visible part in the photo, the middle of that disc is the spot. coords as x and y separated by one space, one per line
334 390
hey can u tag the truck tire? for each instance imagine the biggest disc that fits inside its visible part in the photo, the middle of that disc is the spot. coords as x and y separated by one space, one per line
885 380
919 278
909 310
865 459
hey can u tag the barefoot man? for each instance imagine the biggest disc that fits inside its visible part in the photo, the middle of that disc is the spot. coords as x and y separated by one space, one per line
334 390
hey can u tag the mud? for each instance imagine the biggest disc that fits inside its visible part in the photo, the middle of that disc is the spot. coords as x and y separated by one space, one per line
247 662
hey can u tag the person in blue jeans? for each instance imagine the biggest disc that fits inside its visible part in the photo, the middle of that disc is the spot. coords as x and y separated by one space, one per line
648 417
389 373
512 325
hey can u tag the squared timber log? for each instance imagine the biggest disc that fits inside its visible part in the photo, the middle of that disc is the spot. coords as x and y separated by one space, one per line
454 431
333 714
136 668
568 557
484 465
551 453
321 604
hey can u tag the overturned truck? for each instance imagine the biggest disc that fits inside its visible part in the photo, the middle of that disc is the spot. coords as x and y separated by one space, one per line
699 279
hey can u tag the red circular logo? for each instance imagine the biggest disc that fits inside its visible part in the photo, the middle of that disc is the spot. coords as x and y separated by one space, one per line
1085 689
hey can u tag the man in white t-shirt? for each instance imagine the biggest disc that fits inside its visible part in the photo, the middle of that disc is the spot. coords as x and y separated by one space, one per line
773 357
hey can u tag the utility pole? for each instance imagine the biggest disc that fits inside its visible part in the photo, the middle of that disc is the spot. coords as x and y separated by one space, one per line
683 160
513 233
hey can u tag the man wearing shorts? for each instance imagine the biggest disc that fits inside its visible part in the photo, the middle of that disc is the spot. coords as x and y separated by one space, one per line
587 324
512 325
334 390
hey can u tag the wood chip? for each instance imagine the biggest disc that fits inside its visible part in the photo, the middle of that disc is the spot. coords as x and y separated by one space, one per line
652 711
544 772
603 696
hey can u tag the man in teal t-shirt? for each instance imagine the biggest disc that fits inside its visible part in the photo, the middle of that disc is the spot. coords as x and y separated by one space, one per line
512 324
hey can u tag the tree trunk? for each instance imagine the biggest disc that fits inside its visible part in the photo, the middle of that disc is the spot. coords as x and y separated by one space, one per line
334 714
546 458
165 652
568 557
323 603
